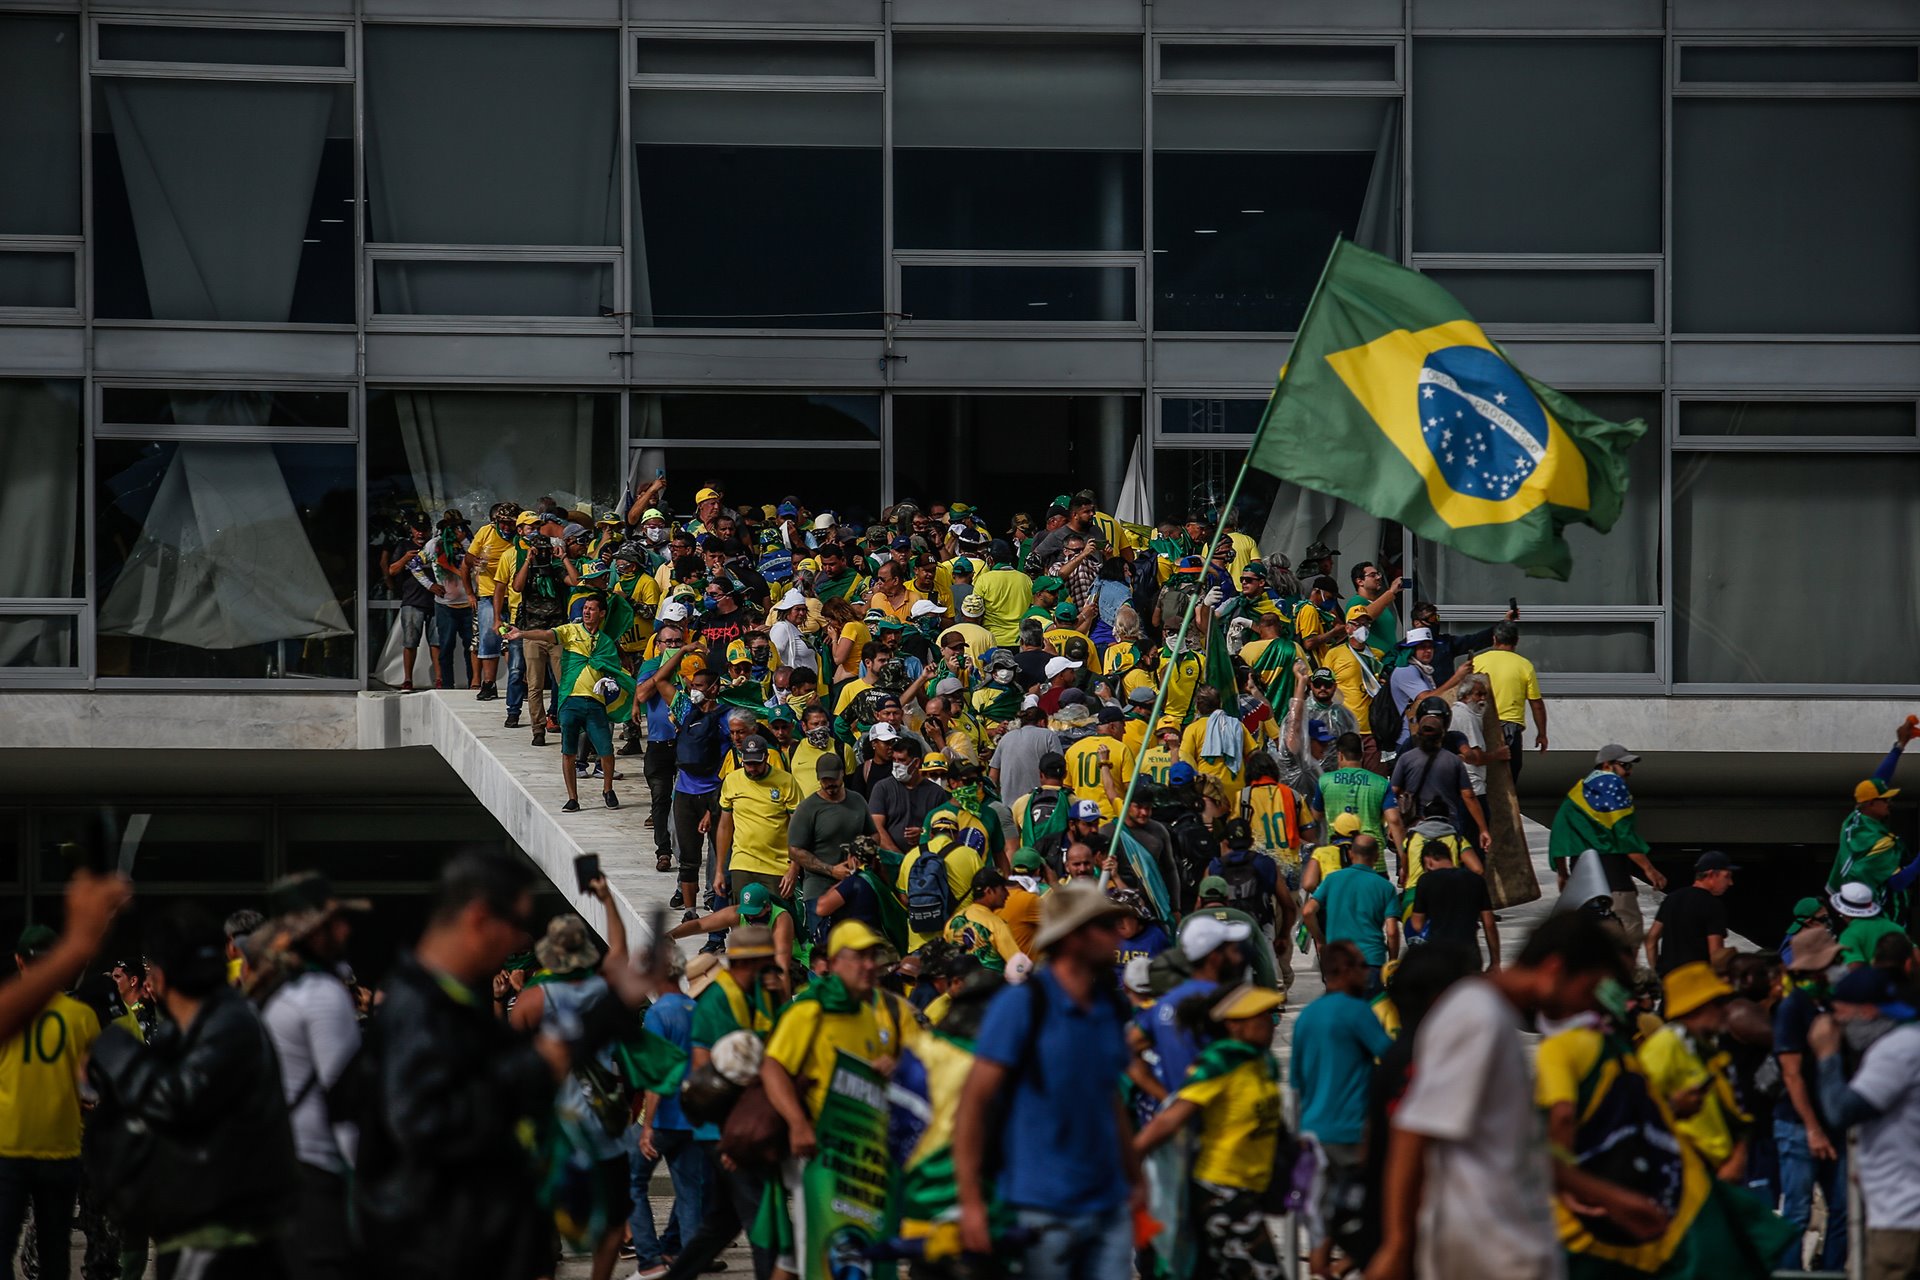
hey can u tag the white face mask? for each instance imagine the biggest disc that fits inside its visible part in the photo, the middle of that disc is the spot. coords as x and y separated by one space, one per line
696 696
900 772
1359 633
656 533
1003 677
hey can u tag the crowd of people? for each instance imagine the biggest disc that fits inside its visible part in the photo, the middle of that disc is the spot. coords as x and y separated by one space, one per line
1004 855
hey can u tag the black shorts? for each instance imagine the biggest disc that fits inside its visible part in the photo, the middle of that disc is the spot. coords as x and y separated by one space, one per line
615 1187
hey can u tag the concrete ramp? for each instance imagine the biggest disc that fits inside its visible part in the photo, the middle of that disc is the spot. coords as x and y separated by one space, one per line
520 785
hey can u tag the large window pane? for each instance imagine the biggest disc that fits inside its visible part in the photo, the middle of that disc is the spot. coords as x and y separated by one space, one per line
1582 648
1194 415
225 561
37 279
1197 481
492 135
493 288
1753 531
1012 453
845 481
1804 64
1545 296
757 210
1276 62
223 200
1892 418
1249 194
1810 232
40 461
1018 293
722 416
428 451
28 641
1507 128
1016 145
227 407
1621 567
39 126
805 59
250 46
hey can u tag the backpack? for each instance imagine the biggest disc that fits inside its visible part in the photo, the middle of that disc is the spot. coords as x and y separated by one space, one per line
1194 850
929 896
1244 888
1381 712
1045 824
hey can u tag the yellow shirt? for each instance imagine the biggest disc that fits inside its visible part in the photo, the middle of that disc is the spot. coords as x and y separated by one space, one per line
1674 1066
977 919
1007 594
1083 771
1245 550
898 612
760 812
1231 780
40 1082
575 638
807 1038
643 593
486 548
1022 914
1058 637
1268 805
962 862
937 1009
858 636
1306 624
1156 762
1514 682
1183 677
1239 1125
505 567
806 765
979 640
1346 667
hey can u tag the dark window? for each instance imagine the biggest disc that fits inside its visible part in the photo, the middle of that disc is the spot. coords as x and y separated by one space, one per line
1018 293
801 58
42 453
1797 418
1014 199
1195 416
1276 62
173 406
39 126
723 416
1537 146
31 279
493 288
262 47
1545 296
1804 64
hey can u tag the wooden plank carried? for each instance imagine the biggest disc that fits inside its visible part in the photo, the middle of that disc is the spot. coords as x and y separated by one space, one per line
1510 878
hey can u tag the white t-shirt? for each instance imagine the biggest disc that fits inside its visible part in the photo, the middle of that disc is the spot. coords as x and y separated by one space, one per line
314 1032
1889 1165
1466 720
1485 1210
792 646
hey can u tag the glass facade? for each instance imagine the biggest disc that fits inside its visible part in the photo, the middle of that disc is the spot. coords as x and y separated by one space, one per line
282 279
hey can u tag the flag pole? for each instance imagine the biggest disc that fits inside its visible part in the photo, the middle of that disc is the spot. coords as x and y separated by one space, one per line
1206 563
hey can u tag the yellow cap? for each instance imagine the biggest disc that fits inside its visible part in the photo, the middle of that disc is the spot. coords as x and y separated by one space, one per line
1247 1001
705 495
1346 824
852 935
1356 613
527 519
933 762
737 652
1169 722
1691 986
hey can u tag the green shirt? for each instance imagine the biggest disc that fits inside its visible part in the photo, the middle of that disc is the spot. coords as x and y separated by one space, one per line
1858 940
1383 633
1360 792
1357 903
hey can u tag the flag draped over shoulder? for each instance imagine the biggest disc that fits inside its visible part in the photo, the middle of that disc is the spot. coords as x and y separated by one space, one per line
604 659
1396 401
1597 814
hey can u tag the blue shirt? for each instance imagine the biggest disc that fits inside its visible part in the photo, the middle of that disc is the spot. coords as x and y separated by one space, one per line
671 1018
1173 1043
1059 1137
1335 1042
1356 902
661 724
1149 942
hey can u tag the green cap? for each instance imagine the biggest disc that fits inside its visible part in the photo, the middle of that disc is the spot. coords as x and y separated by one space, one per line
1323 674
755 901
963 565
783 713
1028 860
1803 911
1066 611
1211 887
35 940
1046 583
1063 502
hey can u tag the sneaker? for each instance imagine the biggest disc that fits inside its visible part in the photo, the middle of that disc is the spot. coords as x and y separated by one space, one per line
714 947
690 916
613 801
539 739
655 1272
513 721
571 806
407 687
489 692
626 1249
676 901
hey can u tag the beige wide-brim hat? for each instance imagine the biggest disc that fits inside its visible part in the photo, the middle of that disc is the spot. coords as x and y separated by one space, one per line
1069 907
567 946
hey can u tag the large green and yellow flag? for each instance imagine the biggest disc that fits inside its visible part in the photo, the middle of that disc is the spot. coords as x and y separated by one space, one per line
1396 401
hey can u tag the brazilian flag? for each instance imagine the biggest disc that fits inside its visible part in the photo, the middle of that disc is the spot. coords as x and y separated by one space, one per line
1396 401
1597 814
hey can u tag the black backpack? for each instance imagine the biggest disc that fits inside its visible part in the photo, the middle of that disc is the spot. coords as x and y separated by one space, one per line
1384 720
1194 850
1244 889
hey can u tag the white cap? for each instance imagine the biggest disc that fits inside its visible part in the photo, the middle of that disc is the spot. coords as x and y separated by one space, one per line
1085 810
973 607
1204 934
1855 900
1417 635
792 600
1056 665
921 608
672 611
825 520
1030 703
883 732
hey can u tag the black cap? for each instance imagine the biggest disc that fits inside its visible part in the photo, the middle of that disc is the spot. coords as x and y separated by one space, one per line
1110 714
1713 860
753 751
1239 834
987 878
1434 707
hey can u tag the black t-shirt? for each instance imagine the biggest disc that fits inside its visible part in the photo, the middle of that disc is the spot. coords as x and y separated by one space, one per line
1033 666
1451 898
1687 919
721 629
1791 1018
411 591
1441 776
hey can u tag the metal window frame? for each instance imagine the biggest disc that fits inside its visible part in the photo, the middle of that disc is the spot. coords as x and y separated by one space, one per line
1583 682
1160 83
1653 263
611 256
346 73
76 247
1160 439
1679 87
1683 443
875 82
347 433
1132 259
73 677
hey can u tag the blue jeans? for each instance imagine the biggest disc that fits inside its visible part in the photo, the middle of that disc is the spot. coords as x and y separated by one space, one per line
1799 1172
1084 1246
488 640
516 677
452 628
687 1167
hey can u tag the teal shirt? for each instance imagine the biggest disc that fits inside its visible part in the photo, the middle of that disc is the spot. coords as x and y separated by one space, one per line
1356 903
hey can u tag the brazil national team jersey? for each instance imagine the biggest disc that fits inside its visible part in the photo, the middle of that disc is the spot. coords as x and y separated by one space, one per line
39 1082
